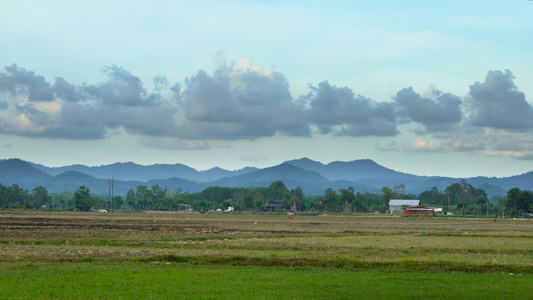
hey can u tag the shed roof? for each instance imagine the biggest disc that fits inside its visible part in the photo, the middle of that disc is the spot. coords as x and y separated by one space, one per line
404 202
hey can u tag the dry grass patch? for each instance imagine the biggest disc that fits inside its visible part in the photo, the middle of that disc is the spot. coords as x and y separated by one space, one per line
263 239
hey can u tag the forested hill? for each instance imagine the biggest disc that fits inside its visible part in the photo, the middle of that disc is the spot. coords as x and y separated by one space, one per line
314 177
362 169
16 171
131 171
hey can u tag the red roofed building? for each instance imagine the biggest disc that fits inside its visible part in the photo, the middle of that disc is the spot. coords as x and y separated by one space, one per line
419 210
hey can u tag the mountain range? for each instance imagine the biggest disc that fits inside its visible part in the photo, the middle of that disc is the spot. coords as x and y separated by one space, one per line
314 177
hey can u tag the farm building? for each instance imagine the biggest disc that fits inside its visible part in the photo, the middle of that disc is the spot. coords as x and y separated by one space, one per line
274 205
419 210
395 205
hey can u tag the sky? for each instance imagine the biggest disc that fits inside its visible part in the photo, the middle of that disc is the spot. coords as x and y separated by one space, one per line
423 87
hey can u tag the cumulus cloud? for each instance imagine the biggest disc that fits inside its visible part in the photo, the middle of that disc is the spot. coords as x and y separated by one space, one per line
122 88
160 83
66 91
437 113
68 111
240 101
339 111
497 103
16 81
494 118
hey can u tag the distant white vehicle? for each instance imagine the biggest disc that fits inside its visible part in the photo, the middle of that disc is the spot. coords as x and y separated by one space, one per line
219 209
101 210
230 209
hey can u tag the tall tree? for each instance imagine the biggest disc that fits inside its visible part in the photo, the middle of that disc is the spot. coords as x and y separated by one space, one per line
143 196
248 201
431 197
82 199
347 196
330 201
398 191
278 190
20 196
40 194
158 194
518 201
463 192
387 194
131 199
359 202
117 202
453 193
294 199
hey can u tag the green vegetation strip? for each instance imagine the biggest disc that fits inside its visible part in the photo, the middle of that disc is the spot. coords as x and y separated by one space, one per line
276 261
167 280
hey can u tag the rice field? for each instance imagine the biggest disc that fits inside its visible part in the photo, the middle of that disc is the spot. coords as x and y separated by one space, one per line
374 244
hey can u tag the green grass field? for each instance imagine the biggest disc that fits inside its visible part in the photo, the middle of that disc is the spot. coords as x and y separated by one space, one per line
58 255
127 280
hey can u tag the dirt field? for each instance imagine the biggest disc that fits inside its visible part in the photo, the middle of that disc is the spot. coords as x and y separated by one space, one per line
463 244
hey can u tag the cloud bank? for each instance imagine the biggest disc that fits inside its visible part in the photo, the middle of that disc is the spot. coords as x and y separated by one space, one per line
241 100
497 103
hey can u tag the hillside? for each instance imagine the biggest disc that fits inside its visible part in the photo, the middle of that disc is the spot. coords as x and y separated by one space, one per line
130 171
291 175
16 171
314 177
363 169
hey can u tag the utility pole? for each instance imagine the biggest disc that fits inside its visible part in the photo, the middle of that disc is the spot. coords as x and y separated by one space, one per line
112 191
109 193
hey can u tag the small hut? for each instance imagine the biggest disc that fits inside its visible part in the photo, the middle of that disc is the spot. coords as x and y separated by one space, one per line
419 210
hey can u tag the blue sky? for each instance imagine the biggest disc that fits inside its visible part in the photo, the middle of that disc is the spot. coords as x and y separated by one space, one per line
424 87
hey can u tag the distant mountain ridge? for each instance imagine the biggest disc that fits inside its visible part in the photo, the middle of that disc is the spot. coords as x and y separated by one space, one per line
339 170
314 177
131 171
290 174
16 171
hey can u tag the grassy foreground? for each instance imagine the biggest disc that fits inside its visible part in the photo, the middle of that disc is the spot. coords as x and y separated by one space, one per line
170 255
168 281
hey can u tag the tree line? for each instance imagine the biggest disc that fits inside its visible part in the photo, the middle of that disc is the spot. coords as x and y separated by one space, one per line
460 198
15 197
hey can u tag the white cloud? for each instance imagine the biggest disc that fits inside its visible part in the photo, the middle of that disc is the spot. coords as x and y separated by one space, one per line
240 101
338 111
436 111
420 144
243 101
497 103
525 155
